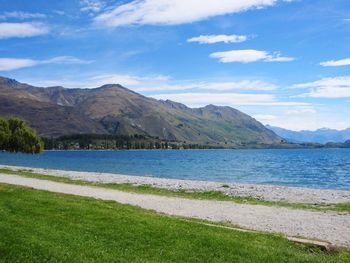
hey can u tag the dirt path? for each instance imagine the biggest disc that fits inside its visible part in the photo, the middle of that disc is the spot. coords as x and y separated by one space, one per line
332 227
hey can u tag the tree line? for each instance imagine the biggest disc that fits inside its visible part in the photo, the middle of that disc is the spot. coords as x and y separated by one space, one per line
114 142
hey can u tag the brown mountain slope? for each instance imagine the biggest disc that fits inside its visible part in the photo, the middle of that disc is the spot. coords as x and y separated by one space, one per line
114 109
48 119
34 105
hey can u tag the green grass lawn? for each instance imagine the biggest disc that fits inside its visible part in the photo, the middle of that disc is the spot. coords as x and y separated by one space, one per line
38 226
211 195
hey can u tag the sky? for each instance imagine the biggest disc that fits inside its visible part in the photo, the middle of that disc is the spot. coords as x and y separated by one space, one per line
284 62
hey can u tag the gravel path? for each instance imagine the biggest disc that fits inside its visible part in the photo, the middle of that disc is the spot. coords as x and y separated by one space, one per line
266 192
329 226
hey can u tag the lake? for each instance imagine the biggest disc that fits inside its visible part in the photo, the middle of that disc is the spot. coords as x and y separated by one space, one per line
315 168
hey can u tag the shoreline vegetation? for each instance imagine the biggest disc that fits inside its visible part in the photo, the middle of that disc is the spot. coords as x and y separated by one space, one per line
139 142
39 226
209 194
17 136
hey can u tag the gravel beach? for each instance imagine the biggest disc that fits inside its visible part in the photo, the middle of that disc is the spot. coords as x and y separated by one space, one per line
265 192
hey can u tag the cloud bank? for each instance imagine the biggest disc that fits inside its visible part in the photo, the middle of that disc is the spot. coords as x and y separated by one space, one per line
170 12
10 30
21 15
7 64
332 88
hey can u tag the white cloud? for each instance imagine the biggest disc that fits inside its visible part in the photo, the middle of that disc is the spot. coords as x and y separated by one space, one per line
219 86
125 80
340 81
211 39
65 60
285 104
276 57
170 12
9 30
129 81
264 118
91 5
248 56
309 122
301 111
14 63
337 87
21 15
7 64
336 63
328 92
239 85
202 99
158 83
59 12
198 99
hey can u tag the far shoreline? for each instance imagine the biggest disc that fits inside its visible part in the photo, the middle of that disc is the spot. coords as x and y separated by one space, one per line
196 149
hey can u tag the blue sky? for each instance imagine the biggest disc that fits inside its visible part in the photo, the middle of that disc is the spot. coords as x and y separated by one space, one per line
285 62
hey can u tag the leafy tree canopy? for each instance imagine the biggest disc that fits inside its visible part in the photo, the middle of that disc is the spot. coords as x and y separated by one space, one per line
16 136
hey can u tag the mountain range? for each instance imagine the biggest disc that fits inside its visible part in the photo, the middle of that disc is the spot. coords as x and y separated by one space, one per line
114 109
322 136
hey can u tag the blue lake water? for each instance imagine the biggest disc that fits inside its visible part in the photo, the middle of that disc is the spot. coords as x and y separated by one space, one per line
315 168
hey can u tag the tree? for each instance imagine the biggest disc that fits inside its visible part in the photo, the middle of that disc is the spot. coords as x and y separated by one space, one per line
5 133
16 136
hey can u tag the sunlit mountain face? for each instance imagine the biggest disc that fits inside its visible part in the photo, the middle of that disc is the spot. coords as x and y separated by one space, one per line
115 110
